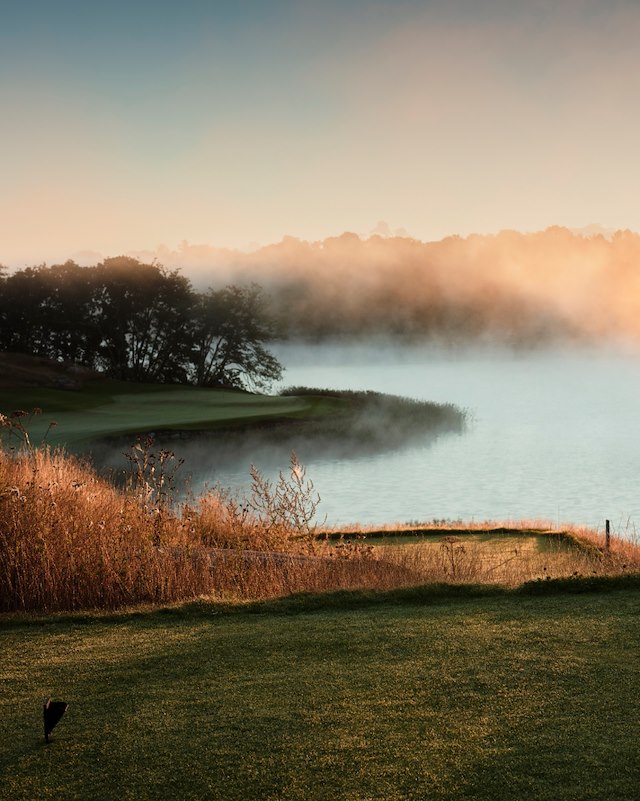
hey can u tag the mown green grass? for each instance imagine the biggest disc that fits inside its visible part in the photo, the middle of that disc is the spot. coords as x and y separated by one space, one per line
542 541
111 408
108 409
497 697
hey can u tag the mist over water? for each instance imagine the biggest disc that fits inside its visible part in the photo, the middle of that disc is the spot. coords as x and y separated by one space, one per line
553 435
549 286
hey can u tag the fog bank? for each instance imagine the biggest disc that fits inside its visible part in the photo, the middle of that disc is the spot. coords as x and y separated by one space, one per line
517 288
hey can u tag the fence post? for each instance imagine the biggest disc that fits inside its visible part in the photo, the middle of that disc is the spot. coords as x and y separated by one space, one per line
607 535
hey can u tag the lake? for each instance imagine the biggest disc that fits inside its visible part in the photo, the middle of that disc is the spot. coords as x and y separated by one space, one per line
553 435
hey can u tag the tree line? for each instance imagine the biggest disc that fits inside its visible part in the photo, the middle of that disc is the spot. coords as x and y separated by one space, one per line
139 322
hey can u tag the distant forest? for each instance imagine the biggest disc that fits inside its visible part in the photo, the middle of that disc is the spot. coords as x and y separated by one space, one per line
133 319
518 288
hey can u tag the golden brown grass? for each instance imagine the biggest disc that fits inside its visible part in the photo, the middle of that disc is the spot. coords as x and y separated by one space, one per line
513 560
71 540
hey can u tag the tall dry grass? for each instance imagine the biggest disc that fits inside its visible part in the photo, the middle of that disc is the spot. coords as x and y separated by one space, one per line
69 540
72 540
512 560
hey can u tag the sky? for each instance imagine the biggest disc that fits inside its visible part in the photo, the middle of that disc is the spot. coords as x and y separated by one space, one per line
129 125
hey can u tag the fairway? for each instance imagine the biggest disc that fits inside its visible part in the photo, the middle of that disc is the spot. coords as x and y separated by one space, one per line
503 697
117 408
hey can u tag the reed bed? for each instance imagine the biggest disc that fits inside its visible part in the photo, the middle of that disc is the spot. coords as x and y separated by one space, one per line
71 540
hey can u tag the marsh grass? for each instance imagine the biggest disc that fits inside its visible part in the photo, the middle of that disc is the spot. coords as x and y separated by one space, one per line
71 540
377 421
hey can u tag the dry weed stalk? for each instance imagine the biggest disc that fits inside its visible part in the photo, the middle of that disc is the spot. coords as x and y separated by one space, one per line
286 510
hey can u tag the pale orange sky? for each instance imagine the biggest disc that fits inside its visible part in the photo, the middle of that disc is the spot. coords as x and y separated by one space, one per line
130 125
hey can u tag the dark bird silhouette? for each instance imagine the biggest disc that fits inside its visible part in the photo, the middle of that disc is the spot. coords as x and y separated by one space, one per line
53 711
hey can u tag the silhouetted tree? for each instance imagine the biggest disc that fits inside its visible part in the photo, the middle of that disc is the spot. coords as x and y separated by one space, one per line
138 322
69 312
231 329
49 311
24 300
145 315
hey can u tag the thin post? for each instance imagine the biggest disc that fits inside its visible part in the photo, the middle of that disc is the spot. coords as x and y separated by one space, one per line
607 535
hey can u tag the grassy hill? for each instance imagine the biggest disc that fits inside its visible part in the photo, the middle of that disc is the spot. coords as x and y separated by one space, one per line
112 408
87 406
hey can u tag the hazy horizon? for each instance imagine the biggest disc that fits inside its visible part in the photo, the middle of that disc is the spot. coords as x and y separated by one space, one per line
555 285
192 256
127 127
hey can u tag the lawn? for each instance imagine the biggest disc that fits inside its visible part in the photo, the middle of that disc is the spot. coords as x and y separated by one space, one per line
104 409
110 408
499 697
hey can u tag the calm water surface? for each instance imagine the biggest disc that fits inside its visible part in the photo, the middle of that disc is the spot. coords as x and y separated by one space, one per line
553 435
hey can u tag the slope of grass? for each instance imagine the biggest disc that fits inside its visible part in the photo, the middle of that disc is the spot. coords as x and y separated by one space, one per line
111 408
104 408
501 697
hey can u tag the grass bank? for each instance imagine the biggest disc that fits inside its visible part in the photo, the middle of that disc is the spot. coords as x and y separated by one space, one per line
500 697
120 409
100 409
